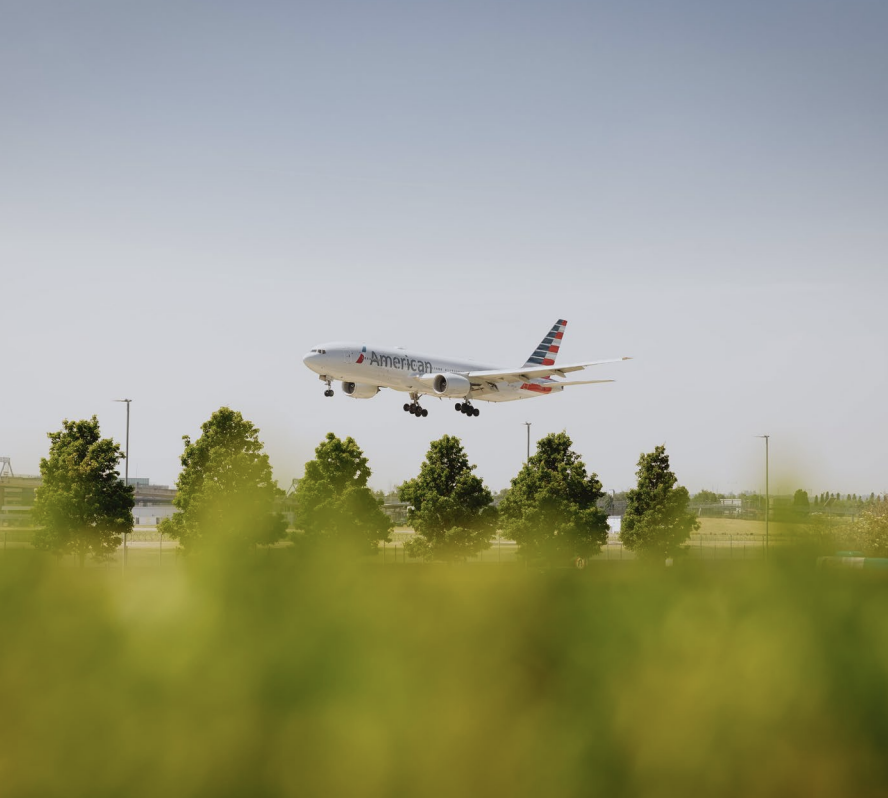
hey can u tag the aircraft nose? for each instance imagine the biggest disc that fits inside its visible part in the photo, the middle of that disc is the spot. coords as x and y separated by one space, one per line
317 360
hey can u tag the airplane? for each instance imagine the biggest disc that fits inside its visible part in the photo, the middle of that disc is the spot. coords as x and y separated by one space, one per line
364 369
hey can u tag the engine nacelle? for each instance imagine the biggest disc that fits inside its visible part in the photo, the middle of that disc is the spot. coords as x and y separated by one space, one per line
447 384
359 390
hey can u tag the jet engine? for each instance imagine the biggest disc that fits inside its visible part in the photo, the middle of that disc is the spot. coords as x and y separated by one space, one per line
448 384
359 390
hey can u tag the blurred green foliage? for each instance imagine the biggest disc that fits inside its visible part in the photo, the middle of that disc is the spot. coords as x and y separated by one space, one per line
869 532
262 676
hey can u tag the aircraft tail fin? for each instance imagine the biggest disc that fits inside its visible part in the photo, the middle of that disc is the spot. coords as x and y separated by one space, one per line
547 350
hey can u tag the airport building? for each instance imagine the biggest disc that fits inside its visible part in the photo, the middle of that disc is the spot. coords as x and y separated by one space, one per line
152 502
16 496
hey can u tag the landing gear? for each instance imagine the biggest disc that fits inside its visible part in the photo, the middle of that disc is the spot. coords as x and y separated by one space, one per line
328 393
414 409
329 383
466 409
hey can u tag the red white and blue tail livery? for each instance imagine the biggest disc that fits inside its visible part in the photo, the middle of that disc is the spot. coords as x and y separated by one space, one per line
547 351
363 369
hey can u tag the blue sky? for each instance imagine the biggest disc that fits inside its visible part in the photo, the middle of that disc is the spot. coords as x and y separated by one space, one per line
194 194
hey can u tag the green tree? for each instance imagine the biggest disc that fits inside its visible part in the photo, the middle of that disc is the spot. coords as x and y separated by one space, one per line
226 493
551 510
706 497
82 507
869 533
657 520
450 507
500 495
334 508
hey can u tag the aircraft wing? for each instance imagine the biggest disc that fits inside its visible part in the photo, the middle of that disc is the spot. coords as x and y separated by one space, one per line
536 372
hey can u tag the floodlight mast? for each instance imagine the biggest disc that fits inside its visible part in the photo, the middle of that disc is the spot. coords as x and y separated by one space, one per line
767 493
527 424
126 465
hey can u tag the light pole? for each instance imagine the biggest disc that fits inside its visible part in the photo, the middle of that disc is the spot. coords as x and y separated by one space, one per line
527 424
767 492
126 466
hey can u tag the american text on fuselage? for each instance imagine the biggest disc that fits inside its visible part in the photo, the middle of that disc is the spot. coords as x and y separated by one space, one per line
398 362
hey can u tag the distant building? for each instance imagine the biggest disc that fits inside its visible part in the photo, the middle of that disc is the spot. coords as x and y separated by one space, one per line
731 506
287 506
17 499
397 511
152 502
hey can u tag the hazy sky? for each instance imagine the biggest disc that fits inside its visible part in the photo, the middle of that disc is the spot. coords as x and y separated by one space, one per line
192 195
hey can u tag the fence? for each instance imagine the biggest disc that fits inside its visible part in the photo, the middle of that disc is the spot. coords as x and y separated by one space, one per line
707 547
147 547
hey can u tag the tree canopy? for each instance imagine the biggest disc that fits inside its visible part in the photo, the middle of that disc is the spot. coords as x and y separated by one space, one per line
869 532
551 509
226 492
334 508
706 497
82 507
657 520
450 507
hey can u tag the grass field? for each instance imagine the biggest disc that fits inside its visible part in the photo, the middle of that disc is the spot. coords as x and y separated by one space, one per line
717 538
266 677
726 527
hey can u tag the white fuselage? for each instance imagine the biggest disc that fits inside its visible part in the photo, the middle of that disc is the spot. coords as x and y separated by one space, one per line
403 370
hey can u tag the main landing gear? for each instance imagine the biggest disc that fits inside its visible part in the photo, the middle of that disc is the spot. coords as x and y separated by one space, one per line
414 409
466 409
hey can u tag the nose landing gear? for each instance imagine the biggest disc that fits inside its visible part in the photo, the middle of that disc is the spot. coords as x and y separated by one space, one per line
466 409
329 383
